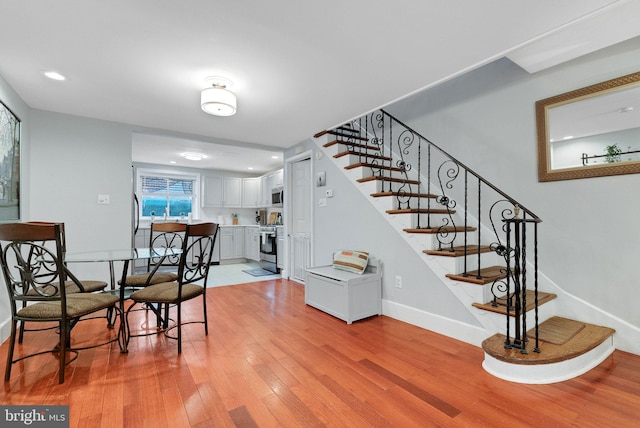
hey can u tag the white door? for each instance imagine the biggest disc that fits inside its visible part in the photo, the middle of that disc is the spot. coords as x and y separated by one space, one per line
301 218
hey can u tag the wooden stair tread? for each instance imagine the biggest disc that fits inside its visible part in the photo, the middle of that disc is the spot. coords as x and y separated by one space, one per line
501 307
364 155
445 229
458 251
581 342
403 194
395 180
419 211
351 144
484 276
348 134
373 165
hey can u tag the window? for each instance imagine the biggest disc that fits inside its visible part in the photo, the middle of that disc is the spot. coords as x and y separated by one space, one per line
167 193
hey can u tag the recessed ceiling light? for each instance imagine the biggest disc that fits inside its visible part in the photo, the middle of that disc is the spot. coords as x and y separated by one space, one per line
274 157
193 156
568 137
54 75
250 168
172 161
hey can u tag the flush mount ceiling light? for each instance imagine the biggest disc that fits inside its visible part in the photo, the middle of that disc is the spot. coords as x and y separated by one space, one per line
54 75
193 156
218 100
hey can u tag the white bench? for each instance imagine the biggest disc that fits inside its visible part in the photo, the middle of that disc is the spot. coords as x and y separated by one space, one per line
345 295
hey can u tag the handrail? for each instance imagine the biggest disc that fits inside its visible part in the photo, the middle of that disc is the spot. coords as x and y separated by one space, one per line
478 176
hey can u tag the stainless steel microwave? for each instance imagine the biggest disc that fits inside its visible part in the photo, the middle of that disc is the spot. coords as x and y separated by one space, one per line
277 194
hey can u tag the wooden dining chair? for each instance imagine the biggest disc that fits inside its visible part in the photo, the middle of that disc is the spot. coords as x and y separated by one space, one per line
160 269
33 267
193 271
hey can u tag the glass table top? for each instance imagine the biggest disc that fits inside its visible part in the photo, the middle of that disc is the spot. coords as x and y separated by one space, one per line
121 255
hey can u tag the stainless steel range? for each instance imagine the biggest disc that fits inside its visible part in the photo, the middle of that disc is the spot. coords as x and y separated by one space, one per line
268 249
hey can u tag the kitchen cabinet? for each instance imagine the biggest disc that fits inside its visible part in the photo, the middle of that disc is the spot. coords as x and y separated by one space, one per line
278 178
252 242
280 246
265 194
231 243
250 195
219 191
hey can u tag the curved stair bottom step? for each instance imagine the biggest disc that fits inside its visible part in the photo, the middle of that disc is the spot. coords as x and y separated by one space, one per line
550 372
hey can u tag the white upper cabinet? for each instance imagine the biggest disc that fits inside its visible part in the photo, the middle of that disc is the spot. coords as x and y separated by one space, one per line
212 191
265 199
250 193
221 191
278 178
232 192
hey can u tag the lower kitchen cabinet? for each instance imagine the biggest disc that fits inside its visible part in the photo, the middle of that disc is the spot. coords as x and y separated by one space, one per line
231 243
280 246
252 242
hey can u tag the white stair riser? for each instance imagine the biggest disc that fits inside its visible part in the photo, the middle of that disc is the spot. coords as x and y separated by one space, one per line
410 221
456 265
429 241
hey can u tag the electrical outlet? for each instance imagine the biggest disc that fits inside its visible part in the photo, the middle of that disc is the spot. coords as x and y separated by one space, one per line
398 281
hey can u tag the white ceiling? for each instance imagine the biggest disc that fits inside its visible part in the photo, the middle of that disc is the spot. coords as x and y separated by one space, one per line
298 67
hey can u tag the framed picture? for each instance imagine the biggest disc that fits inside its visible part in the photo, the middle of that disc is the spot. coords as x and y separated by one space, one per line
9 165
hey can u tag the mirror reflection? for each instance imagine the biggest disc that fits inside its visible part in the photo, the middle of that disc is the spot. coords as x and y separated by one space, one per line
590 132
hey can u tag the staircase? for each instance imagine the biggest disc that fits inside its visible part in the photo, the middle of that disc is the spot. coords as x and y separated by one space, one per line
486 241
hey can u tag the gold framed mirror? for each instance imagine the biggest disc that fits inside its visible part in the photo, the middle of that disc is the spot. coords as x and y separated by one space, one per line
590 132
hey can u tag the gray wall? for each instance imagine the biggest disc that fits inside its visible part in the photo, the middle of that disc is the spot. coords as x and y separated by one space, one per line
73 159
590 235
349 222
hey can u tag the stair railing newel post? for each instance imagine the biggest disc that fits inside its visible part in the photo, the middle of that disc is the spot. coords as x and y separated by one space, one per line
479 226
466 216
509 296
523 280
428 189
535 283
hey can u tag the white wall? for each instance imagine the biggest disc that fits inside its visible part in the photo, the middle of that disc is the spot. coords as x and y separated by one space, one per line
73 159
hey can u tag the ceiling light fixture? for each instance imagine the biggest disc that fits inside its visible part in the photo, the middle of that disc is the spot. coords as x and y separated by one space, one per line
218 100
54 75
193 156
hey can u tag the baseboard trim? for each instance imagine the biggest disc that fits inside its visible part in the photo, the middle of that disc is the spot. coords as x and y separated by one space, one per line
467 333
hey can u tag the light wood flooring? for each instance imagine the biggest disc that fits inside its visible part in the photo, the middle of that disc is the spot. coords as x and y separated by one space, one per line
271 361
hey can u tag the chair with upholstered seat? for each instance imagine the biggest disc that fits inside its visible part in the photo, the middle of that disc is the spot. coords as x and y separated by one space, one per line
33 266
193 271
86 285
160 269
83 286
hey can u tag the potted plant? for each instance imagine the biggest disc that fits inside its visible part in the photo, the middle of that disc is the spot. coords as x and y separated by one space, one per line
612 153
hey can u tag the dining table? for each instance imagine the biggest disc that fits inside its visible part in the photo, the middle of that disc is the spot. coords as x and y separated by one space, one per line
125 256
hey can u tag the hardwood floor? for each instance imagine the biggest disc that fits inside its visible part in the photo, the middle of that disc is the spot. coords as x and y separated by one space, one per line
271 361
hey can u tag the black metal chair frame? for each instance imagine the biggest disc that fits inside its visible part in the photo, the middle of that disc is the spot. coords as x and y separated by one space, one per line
195 260
34 274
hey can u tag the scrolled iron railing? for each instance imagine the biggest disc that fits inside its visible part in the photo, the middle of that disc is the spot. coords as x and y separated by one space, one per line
424 178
